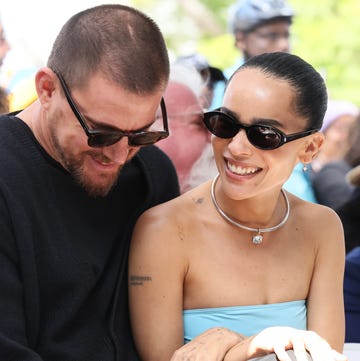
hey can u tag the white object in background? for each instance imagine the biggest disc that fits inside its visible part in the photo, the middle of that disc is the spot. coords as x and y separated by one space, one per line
352 351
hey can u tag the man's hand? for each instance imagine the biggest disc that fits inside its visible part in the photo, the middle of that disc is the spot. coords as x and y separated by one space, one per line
210 345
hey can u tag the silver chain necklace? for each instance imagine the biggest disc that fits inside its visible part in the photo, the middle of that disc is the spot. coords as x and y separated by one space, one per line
257 238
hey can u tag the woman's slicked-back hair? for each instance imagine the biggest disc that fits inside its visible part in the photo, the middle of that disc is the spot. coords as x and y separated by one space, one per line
122 43
310 89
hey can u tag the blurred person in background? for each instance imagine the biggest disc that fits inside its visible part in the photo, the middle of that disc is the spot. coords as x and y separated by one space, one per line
188 134
332 163
258 26
4 101
349 212
352 295
211 75
352 262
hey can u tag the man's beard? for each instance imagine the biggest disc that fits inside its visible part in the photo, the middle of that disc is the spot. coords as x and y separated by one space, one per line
75 166
100 189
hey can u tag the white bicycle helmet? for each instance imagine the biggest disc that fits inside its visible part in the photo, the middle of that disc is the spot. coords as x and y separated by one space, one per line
245 15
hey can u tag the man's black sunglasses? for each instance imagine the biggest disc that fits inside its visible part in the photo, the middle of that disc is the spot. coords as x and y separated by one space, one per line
261 136
105 138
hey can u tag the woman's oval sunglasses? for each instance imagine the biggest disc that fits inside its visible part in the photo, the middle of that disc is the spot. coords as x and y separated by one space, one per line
265 137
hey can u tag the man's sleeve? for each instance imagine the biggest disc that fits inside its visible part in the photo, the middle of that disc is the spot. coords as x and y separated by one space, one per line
14 333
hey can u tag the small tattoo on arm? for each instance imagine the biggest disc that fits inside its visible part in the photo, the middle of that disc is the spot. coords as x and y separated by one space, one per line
139 280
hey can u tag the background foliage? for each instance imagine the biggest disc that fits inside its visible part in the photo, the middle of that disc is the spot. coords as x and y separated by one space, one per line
326 33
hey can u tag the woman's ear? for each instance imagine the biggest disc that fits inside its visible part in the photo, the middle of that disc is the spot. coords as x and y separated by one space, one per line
311 148
45 82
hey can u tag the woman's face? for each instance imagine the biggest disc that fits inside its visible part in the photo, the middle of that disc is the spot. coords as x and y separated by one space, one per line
255 98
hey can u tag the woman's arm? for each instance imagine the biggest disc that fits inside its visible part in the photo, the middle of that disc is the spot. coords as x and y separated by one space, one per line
325 305
156 273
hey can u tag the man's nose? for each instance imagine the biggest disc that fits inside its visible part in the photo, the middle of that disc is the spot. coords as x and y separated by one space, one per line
283 44
119 151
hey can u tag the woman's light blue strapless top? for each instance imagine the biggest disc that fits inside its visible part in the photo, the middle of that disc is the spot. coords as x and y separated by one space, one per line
246 320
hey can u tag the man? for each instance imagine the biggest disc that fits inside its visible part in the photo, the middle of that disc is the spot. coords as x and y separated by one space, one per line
258 26
77 169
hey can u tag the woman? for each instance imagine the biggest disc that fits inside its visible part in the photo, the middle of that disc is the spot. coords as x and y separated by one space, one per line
225 263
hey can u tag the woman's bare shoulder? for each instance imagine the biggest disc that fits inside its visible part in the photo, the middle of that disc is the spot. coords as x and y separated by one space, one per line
178 216
311 209
320 220
180 209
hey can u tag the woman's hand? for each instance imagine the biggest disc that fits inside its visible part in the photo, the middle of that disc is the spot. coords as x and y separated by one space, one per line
280 339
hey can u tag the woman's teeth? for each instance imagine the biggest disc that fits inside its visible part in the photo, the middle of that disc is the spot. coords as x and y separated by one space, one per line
242 171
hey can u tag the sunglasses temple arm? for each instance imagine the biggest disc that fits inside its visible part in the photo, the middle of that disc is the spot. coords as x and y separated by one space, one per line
164 115
299 135
72 104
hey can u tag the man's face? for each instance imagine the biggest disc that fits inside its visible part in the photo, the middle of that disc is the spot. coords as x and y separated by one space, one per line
188 134
104 106
4 45
268 38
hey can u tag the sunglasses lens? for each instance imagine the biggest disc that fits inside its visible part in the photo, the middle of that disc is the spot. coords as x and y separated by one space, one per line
146 138
220 125
264 137
103 139
136 140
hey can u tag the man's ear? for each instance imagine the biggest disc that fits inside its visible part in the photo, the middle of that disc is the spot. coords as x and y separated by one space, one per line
311 148
46 83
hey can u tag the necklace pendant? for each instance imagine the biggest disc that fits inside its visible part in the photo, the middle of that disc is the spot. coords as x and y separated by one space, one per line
257 239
